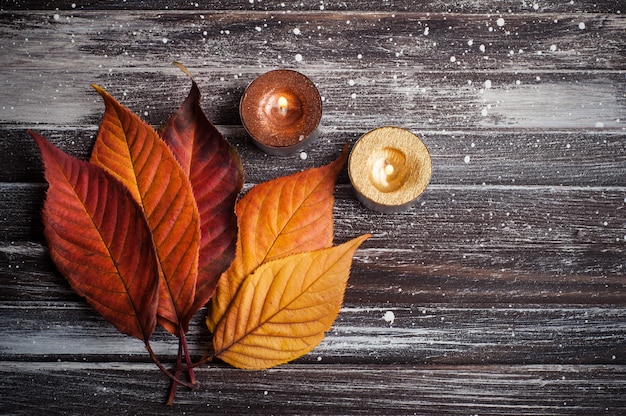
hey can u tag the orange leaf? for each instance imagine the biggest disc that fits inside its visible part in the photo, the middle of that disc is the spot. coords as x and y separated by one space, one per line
133 152
99 240
284 216
216 174
283 309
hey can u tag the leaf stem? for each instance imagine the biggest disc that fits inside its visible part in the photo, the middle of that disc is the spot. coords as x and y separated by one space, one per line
166 371
183 341
206 358
173 383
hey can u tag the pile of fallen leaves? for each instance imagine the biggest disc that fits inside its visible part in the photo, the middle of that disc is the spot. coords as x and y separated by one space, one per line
150 229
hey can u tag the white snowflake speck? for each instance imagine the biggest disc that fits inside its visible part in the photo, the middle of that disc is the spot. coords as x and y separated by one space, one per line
298 57
389 317
466 159
500 22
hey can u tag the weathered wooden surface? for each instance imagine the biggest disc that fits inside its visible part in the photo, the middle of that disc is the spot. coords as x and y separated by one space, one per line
507 281
345 389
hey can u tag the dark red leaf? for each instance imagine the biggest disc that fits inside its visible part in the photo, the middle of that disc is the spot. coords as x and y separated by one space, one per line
216 174
100 241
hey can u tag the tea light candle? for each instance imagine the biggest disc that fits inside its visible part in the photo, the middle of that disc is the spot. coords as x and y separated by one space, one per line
389 168
281 110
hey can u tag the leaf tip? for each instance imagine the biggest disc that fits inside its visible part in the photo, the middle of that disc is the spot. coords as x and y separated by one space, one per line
103 93
183 68
344 151
42 143
365 236
340 162
36 136
97 88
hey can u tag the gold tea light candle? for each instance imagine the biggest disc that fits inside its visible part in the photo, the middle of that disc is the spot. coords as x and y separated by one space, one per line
389 168
281 110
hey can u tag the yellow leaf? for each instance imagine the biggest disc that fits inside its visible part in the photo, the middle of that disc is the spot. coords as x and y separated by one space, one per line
283 309
287 215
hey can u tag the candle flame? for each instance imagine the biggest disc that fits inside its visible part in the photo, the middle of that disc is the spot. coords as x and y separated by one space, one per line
389 169
282 104
382 174
385 173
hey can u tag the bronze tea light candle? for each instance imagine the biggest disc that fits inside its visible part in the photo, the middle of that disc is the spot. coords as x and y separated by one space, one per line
281 110
389 168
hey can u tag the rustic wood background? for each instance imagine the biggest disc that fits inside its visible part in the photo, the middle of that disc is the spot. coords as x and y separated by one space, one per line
507 281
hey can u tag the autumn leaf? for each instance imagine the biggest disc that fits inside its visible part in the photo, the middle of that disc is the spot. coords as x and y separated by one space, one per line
284 216
283 309
132 151
214 168
100 241
286 284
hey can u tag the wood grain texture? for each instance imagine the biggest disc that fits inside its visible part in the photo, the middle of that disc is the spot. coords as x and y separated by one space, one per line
320 389
503 291
470 6
562 232
577 158
421 333
501 76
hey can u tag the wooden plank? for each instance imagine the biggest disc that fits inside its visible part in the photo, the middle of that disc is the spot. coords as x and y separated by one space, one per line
424 100
417 275
21 222
466 6
355 101
536 230
121 40
420 88
420 333
122 388
495 158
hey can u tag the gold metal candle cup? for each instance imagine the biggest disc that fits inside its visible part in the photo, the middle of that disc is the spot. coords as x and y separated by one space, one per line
389 168
281 110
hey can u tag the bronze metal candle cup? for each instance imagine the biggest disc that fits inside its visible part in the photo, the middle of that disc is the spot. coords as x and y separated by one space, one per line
281 110
389 168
